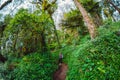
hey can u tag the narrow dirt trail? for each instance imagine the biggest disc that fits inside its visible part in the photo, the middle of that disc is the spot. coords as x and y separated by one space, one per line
61 72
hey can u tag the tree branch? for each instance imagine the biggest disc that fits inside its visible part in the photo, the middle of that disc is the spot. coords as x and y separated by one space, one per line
5 4
114 5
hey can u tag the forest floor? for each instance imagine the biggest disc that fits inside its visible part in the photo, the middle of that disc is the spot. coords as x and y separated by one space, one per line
61 72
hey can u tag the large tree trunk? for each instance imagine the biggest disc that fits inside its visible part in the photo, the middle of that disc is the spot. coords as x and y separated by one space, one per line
87 19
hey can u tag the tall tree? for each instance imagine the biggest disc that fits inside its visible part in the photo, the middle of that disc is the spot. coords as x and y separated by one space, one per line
87 19
49 7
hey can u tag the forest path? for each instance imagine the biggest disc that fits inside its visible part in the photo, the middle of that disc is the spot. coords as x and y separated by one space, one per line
61 72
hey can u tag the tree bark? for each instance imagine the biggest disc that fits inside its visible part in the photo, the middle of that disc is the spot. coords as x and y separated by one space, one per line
87 19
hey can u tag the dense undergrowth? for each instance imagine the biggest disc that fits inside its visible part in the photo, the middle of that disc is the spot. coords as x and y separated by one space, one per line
35 66
97 59
90 60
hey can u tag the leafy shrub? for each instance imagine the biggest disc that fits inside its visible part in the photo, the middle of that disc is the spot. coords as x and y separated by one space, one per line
98 59
34 67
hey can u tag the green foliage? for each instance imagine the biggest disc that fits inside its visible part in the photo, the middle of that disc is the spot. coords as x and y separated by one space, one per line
73 26
72 19
97 59
1 16
91 60
28 29
34 67
88 4
7 19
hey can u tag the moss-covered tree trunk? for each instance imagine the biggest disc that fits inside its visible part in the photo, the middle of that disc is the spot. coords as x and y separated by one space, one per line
87 19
